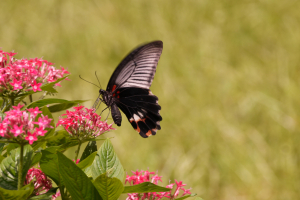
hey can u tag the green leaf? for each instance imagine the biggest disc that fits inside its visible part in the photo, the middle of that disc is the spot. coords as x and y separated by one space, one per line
48 87
49 164
108 188
1 158
77 183
60 104
108 162
62 139
190 195
2 115
64 106
9 167
22 194
58 138
87 162
46 196
36 158
90 148
12 146
144 188
22 96
1 147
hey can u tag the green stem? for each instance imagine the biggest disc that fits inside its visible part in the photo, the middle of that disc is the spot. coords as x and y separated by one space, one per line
30 98
12 101
20 171
77 152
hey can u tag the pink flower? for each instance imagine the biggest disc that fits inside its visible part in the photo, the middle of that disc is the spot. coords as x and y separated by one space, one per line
31 138
2 130
17 84
17 130
83 123
40 131
36 86
26 74
19 124
34 111
18 107
40 181
43 121
144 176
77 161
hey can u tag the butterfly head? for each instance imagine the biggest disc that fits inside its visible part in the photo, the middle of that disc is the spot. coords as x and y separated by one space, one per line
106 96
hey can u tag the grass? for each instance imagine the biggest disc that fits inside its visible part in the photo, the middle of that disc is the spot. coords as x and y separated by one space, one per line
228 83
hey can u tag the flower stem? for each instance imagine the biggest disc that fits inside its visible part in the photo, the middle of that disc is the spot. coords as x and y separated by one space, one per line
77 152
20 182
30 98
12 101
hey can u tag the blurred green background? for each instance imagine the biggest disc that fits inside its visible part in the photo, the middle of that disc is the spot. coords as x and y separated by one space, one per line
228 83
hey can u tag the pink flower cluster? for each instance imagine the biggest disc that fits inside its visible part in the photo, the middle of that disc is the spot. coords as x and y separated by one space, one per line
26 74
145 176
84 123
40 181
18 124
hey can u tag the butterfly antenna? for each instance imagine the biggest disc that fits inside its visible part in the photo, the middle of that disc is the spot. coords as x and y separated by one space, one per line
90 82
98 79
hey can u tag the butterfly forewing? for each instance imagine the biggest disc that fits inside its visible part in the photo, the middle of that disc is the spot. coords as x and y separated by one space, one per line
138 68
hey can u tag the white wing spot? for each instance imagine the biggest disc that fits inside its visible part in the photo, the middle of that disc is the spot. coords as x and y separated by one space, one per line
136 118
141 114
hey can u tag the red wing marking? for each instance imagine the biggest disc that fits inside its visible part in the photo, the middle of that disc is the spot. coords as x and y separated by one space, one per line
138 129
113 88
149 133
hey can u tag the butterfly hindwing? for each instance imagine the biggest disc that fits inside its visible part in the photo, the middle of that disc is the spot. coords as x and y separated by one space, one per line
141 108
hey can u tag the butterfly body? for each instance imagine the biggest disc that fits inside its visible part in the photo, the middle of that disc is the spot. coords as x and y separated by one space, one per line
128 89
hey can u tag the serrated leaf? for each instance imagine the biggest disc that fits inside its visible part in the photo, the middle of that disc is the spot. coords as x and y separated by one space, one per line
187 196
144 188
77 183
108 188
9 167
90 148
49 164
107 162
87 162
22 194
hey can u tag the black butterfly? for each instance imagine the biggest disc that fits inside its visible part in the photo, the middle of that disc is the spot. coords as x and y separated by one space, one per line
128 89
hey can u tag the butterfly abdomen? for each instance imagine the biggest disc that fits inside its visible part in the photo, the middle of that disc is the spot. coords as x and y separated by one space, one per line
116 115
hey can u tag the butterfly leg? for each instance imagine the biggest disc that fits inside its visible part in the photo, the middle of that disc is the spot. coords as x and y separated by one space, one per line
108 114
95 105
103 110
99 104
